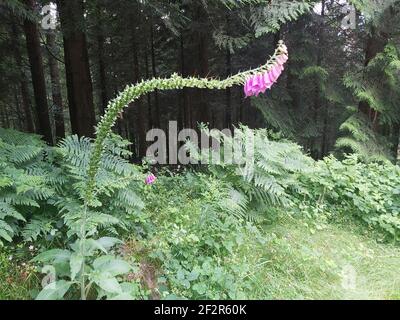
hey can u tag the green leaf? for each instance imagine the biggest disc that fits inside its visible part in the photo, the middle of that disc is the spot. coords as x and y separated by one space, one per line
54 291
108 242
112 265
200 288
5 235
123 297
108 283
75 263
95 244
54 256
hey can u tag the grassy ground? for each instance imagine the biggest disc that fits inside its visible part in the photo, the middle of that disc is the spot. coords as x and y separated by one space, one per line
17 280
337 262
334 263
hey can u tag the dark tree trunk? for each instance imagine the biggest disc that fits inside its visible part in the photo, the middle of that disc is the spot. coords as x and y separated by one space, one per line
58 107
156 114
149 106
79 81
242 105
20 120
199 66
102 78
324 146
102 74
396 141
228 111
23 86
4 116
38 79
141 118
203 45
315 153
185 105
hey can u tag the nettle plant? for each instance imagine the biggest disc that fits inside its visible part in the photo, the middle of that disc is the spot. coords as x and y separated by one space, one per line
90 263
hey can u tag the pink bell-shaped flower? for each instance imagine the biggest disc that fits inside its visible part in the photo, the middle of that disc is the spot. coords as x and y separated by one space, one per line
150 179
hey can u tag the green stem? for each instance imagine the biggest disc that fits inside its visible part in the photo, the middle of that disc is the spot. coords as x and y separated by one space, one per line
82 252
133 92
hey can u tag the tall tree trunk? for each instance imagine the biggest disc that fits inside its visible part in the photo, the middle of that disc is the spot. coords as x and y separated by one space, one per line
396 141
200 66
58 107
185 105
203 44
23 85
20 120
149 106
5 118
79 81
38 79
141 118
228 110
102 73
156 114
101 65
317 94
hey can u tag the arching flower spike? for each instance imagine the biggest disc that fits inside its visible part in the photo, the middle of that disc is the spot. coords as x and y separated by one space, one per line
260 82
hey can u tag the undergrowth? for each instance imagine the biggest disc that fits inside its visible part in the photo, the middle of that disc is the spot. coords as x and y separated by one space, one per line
288 231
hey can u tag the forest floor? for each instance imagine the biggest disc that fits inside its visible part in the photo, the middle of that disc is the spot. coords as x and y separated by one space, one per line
299 262
337 262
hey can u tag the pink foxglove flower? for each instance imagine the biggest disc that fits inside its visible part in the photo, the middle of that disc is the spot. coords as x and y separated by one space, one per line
150 179
282 59
259 83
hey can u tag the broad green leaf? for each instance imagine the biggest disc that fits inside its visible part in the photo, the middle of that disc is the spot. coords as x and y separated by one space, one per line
54 291
5 235
123 297
75 263
108 242
54 255
108 283
111 265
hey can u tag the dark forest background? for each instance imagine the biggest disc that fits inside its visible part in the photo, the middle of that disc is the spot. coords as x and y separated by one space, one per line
339 93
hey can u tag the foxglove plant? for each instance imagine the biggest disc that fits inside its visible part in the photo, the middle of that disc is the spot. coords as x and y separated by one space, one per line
85 264
260 82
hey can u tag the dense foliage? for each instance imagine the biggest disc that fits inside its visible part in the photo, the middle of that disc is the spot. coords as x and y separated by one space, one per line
85 215
185 235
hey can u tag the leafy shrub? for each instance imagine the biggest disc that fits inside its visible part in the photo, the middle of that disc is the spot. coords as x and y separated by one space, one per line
268 181
350 187
25 180
42 201
196 241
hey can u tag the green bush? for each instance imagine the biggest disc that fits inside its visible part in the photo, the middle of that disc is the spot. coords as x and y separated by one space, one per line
193 235
195 240
368 191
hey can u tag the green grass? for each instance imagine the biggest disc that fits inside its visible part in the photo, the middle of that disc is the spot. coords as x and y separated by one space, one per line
299 264
294 264
17 280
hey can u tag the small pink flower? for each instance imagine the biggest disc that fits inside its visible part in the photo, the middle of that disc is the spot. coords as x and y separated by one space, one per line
150 179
